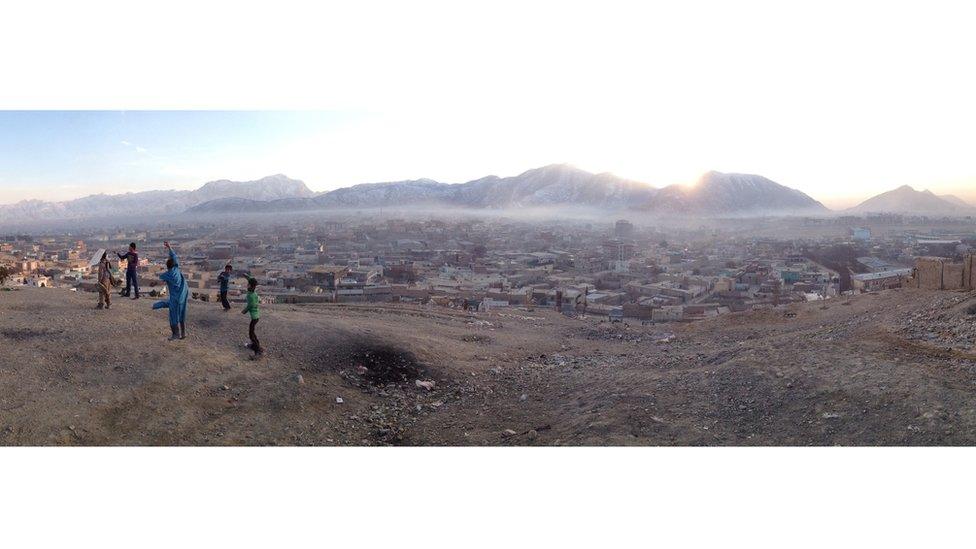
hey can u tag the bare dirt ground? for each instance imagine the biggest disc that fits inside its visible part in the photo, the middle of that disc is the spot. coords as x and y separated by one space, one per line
895 368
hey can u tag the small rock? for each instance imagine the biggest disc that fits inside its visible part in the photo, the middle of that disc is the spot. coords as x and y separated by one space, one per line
428 384
524 397
224 388
533 434
509 432
299 379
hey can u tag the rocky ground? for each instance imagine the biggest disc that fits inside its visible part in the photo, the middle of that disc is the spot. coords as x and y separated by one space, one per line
894 368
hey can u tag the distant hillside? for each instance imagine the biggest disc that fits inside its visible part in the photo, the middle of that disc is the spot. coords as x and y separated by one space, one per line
907 200
953 199
155 202
557 185
732 193
554 185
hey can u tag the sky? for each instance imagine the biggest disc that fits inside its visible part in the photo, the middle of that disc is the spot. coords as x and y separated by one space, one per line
840 100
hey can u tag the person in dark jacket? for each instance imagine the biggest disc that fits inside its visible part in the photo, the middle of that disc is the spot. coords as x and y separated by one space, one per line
224 279
131 273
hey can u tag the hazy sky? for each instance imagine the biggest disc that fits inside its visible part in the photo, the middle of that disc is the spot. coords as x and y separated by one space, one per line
841 100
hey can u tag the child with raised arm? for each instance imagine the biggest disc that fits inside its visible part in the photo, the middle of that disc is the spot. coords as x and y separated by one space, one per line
131 258
178 293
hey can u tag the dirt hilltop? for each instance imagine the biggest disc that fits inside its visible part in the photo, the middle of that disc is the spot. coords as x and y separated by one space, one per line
897 367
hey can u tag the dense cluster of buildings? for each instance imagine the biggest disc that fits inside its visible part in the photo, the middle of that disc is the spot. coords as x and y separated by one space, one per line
614 269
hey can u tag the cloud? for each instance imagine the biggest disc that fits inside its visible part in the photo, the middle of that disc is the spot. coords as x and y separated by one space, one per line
140 150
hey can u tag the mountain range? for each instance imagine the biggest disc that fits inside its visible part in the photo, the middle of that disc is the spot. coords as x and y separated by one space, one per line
150 203
557 185
907 200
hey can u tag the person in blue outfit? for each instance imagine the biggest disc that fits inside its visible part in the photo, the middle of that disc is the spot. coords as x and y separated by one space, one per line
178 292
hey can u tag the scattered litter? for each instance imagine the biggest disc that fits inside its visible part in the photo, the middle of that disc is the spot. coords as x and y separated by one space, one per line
427 384
339 400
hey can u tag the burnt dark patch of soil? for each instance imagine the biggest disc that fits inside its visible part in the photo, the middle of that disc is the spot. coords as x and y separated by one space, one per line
206 322
386 364
377 363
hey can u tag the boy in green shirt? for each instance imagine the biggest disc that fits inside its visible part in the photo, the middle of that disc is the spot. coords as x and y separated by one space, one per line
253 308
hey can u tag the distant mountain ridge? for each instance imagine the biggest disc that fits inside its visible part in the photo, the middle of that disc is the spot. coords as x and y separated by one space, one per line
551 186
907 200
731 193
274 187
554 185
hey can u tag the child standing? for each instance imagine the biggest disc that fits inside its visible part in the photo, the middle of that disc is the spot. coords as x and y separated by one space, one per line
224 279
253 309
105 283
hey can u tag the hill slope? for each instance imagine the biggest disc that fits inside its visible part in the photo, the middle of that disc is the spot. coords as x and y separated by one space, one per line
906 200
731 193
953 199
857 373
